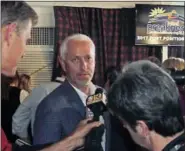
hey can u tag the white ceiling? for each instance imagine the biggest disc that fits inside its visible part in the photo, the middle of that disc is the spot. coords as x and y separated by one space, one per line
105 4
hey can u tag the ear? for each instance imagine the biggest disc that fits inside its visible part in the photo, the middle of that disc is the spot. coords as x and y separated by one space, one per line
9 31
142 129
62 63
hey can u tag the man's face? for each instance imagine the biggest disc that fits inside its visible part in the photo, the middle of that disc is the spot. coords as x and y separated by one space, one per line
79 64
14 45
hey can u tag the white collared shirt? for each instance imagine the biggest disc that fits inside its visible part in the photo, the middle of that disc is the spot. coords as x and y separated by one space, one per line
83 97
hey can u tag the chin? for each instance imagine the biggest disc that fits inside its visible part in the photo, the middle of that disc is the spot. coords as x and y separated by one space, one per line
84 83
10 73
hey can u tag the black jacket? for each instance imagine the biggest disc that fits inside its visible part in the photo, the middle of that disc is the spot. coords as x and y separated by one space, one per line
177 144
8 108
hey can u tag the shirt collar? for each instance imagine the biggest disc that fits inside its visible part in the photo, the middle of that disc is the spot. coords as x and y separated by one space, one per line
82 95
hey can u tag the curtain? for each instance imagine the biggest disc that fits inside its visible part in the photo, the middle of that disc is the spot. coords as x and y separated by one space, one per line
112 31
176 51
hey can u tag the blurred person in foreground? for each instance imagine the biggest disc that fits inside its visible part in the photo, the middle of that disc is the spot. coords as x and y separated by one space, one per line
17 19
146 100
110 76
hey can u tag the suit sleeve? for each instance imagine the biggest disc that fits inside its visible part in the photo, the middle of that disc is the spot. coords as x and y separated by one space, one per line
54 125
47 126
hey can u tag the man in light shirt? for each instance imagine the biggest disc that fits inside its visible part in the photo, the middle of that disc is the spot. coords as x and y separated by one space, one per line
25 114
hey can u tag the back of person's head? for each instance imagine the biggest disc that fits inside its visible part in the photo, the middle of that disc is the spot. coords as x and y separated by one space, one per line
145 92
25 82
111 74
174 63
75 37
169 63
180 64
18 12
154 60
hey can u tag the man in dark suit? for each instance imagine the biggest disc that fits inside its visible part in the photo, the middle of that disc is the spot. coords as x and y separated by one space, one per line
16 23
60 112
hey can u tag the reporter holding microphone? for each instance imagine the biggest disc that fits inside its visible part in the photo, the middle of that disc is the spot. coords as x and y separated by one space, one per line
16 23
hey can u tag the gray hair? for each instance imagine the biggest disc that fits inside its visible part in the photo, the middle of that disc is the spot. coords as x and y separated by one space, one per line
78 37
17 12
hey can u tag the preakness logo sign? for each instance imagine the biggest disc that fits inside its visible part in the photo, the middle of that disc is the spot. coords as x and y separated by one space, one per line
159 25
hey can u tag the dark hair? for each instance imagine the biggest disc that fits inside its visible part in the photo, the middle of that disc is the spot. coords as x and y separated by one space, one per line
154 60
111 74
19 12
24 81
146 92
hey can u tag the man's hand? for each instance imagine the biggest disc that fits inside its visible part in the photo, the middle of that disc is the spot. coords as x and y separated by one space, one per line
82 130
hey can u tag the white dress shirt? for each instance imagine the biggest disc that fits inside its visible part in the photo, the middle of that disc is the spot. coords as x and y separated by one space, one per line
84 97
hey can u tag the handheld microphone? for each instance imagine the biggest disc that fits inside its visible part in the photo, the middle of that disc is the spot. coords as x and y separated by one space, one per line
96 103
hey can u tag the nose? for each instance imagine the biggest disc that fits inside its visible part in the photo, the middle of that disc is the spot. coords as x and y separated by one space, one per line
83 64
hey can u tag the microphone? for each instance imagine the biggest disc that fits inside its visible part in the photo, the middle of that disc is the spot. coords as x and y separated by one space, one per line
96 103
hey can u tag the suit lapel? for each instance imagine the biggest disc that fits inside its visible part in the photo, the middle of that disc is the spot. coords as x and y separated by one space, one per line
77 104
74 98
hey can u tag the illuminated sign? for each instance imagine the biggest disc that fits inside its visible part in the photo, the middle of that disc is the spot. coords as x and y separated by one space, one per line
159 25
